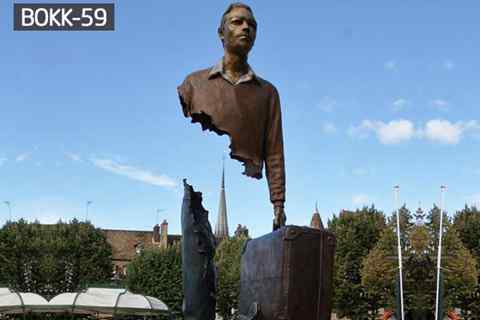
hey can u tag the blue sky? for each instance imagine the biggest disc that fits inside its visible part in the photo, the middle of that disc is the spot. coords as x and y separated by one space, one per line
373 94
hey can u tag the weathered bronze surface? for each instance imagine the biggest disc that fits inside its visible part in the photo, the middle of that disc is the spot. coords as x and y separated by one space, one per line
288 273
230 98
198 250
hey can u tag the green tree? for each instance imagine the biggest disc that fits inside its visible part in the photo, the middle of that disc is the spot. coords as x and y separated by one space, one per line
357 232
467 224
227 259
380 269
419 265
50 259
419 252
158 273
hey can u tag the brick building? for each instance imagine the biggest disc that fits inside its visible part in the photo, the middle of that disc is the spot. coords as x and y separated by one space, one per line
126 244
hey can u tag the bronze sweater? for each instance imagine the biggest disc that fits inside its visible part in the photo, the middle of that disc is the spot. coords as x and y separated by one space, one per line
249 112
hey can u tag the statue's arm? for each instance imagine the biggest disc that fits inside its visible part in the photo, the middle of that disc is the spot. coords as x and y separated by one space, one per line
274 156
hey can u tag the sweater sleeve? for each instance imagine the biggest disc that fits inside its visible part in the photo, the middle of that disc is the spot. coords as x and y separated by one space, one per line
274 155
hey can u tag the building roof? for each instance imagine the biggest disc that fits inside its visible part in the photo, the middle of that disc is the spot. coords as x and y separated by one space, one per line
316 222
124 242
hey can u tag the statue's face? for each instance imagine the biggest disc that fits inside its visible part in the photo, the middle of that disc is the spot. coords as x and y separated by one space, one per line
239 31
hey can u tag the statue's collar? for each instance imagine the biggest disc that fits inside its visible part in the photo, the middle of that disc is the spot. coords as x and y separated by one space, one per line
217 69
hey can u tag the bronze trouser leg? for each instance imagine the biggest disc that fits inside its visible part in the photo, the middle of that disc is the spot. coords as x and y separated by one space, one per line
198 249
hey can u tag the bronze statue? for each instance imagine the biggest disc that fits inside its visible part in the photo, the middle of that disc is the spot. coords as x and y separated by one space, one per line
229 98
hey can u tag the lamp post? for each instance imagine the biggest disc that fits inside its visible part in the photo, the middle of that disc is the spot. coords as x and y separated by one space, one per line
400 269
8 204
87 207
439 254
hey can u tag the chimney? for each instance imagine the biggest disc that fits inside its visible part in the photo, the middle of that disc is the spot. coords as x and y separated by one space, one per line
156 234
164 234
241 231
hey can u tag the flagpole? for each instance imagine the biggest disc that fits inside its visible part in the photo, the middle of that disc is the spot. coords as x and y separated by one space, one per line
400 269
439 254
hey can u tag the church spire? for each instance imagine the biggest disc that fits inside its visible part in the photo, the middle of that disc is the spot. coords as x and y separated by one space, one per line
316 222
221 228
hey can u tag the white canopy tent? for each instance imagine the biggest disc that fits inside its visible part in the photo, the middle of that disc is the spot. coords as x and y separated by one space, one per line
16 302
107 301
97 301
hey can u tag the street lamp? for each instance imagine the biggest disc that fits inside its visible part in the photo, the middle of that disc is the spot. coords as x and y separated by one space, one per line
8 204
87 206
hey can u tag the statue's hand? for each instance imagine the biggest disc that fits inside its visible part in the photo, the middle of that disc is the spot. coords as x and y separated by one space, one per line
279 217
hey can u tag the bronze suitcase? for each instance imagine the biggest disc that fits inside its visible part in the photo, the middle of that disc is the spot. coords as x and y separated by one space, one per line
288 275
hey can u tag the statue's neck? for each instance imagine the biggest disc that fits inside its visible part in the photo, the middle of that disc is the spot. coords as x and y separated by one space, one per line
235 65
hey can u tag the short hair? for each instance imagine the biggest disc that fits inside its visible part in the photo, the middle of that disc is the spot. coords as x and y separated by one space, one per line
230 8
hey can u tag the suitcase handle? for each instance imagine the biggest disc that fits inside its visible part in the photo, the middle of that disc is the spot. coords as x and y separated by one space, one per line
292 233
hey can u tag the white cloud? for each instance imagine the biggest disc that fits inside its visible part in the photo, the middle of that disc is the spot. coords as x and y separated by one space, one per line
448 64
400 104
397 131
134 173
444 131
73 156
327 104
393 132
391 65
360 199
440 104
2 161
22 157
329 128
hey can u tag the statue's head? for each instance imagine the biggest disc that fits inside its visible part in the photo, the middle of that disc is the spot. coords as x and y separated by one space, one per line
238 29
